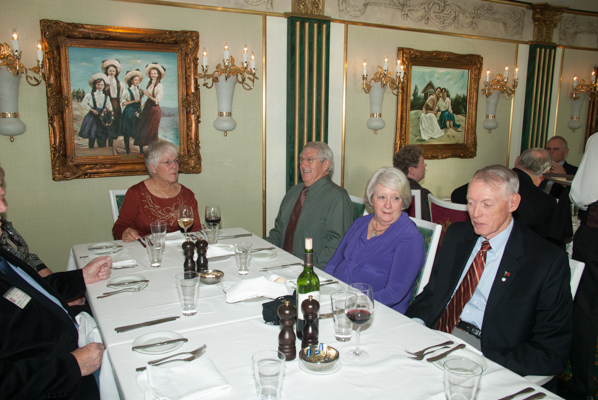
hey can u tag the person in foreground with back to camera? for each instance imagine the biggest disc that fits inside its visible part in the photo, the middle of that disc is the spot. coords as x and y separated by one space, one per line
157 198
316 208
383 249
39 353
498 286
410 160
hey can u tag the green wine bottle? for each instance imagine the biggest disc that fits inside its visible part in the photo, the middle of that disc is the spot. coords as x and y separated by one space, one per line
308 284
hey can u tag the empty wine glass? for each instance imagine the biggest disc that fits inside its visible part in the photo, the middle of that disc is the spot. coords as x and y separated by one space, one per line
359 308
213 214
185 218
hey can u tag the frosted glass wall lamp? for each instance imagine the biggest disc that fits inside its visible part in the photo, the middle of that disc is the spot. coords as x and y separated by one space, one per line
579 92
224 78
492 90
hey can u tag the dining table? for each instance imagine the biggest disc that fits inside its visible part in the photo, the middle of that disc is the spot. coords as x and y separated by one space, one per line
233 332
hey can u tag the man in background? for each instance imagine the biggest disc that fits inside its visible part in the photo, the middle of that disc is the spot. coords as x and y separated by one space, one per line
316 208
558 148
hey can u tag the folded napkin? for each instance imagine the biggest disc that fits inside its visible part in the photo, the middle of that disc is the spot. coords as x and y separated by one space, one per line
88 329
216 250
174 238
195 379
122 259
258 287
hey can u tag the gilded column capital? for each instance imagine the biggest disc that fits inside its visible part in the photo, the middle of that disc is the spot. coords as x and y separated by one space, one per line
546 18
310 7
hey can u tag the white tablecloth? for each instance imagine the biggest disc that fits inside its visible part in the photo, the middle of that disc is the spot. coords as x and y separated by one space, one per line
233 332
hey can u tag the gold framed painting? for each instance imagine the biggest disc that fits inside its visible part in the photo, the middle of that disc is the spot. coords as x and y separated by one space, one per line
111 91
437 108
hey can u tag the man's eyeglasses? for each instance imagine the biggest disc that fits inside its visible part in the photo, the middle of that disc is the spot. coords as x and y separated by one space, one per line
308 159
168 163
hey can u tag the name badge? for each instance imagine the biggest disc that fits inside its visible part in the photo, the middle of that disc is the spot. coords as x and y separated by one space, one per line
17 297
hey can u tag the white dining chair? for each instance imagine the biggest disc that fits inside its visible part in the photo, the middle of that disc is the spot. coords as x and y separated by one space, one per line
358 206
577 268
431 234
116 200
415 209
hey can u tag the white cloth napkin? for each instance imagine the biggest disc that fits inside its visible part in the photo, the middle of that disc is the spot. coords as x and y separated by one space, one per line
216 250
174 238
258 287
195 379
123 259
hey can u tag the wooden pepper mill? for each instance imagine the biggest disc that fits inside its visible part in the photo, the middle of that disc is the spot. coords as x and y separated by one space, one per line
202 255
189 250
286 338
310 308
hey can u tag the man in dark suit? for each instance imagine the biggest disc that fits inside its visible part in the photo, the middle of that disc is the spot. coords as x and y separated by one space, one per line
558 148
519 313
536 209
39 352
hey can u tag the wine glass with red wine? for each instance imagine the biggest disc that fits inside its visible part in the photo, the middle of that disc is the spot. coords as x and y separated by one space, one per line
359 308
213 214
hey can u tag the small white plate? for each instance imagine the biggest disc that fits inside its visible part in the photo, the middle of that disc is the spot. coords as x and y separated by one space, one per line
126 278
104 247
264 254
332 370
156 337
461 353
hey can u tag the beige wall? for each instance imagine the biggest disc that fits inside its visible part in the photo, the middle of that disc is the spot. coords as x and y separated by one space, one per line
366 151
53 216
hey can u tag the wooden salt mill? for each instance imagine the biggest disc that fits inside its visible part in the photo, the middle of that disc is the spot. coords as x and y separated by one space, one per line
189 250
310 308
202 255
286 338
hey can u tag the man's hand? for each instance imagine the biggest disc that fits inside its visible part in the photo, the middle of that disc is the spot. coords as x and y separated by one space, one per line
98 269
89 358
130 235
557 168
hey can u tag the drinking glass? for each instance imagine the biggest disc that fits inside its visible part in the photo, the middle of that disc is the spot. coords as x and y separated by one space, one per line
155 249
185 218
343 328
461 378
159 229
359 309
187 284
213 214
268 371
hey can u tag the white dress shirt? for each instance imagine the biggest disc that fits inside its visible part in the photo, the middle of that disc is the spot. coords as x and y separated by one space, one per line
584 188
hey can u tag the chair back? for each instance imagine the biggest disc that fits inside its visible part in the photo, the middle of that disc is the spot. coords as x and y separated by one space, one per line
358 206
445 213
431 233
415 209
116 201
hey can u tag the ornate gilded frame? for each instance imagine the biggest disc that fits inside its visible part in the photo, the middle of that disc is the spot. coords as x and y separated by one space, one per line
441 59
57 36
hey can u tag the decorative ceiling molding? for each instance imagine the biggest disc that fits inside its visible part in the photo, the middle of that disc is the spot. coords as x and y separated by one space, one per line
571 27
310 7
443 14
255 3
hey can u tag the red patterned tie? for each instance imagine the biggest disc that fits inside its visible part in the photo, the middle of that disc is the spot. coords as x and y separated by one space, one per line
289 236
464 292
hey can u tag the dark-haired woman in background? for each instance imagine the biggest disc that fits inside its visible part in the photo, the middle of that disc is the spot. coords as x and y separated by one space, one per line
147 130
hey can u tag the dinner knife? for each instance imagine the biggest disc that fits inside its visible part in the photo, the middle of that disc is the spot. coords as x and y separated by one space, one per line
235 236
117 285
145 346
519 393
446 353
126 328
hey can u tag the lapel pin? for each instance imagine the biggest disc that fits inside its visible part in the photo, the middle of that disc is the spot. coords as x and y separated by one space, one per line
507 274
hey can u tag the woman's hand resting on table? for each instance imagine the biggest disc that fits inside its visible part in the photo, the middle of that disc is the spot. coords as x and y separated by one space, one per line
130 235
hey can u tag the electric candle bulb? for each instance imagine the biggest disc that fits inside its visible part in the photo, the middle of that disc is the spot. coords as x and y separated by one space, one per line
386 64
365 68
574 81
245 56
226 54
40 53
252 61
402 72
506 73
516 73
593 77
487 76
204 60
15 41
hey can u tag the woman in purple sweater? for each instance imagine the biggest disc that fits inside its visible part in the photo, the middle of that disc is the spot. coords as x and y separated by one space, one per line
384 249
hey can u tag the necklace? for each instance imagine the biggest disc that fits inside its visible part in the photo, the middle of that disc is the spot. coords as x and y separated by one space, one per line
376 230
157 187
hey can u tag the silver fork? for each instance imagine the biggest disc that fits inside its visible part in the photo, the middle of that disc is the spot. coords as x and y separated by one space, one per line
422 355
421 352
194 354
131 289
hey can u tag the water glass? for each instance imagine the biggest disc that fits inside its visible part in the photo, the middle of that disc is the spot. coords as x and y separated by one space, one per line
243 257
343 328
159 229
187 284
155 248
461 378
211 233
268 371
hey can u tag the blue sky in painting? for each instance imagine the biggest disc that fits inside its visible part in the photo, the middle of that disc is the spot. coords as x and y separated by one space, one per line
455 80
84 62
